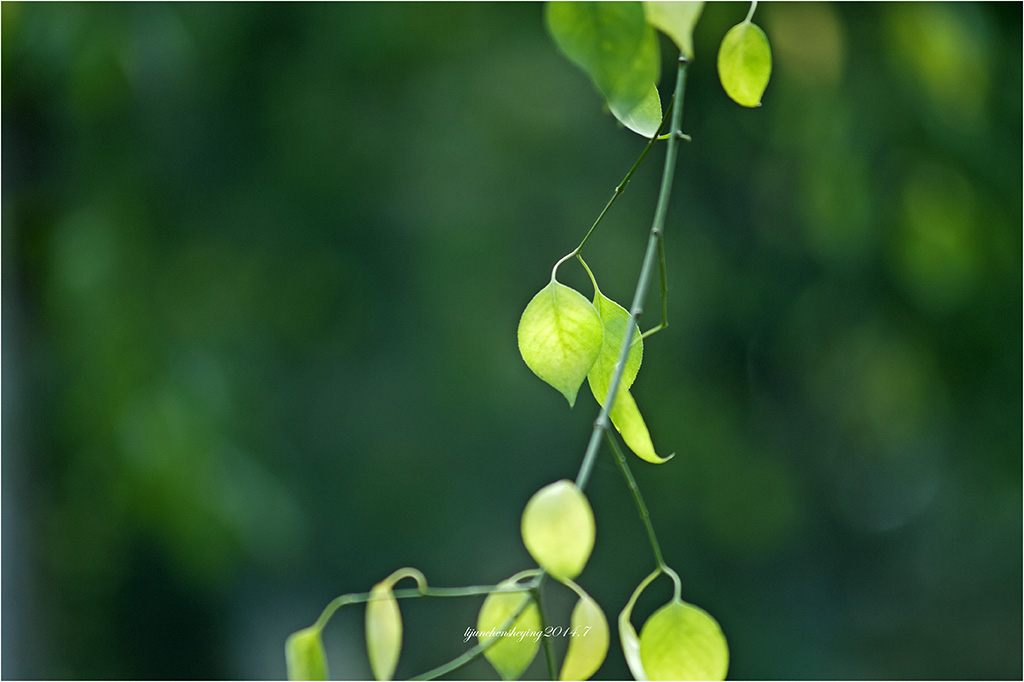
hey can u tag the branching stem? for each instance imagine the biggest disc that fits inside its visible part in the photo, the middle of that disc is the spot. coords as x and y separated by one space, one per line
636 310
655 249
621 187
436 592
477 651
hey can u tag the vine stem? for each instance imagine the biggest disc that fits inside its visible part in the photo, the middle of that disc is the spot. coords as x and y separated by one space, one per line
436 592
645 516
549 649
621 187
636 309
654 250
477 651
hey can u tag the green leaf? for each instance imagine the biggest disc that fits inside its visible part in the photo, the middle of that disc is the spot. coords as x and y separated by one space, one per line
745 63
675 19
614 45
514 652
626 418
644 118
625 415
682 642
304 653
588 638
560 336
383 631
627 633
558 529
384 623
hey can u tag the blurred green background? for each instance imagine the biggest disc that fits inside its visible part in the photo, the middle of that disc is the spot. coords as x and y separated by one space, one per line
262 270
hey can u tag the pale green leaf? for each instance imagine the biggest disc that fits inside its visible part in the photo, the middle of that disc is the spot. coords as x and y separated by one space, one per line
626 418
305 657
560 335
745 63
383 631
514 651
588 638
627 633
558 529
682 642
614 319
614 45
675 19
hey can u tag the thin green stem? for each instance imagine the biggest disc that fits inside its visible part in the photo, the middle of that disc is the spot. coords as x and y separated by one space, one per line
645 516
554 270
435 592
549 650
477 651
664 290
621 187
750 14
593 281
636 310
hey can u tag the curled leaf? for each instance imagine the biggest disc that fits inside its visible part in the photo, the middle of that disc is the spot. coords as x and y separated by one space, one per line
383 631
516 648
682 642
745 63
304 654
626 418
384 623
560 336
627 633
675 19
558 529
588 643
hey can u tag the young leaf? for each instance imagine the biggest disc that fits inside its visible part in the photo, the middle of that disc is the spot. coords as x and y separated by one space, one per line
588 642
560 336
682 642
613 44
625 415
745 63
304 654
626 418
514 652
677 20
558 529
383 631
627 633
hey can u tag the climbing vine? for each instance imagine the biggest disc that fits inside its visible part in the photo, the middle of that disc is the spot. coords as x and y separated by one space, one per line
566 338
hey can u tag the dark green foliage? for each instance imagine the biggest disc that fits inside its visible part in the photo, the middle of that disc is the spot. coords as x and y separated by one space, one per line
249 249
